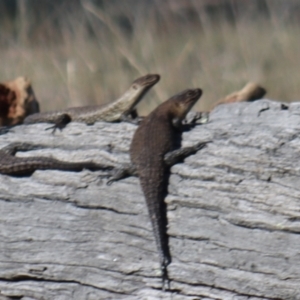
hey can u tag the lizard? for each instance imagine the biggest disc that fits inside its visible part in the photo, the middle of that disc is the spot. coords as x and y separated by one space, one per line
152 152
24 166
250 92
117 111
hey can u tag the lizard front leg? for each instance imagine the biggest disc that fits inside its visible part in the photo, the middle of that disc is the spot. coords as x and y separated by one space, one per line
61 122
171 158
132 117
178 155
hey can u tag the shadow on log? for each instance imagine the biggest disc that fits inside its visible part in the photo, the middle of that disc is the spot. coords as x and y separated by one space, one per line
233 210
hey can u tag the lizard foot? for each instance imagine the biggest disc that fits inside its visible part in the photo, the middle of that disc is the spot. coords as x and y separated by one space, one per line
173 157
197 118
60 123
121 173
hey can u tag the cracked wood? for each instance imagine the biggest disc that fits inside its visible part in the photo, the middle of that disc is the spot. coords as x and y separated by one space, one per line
233 211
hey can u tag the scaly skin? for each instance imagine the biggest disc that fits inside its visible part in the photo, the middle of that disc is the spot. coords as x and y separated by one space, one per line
112 112
23 166
153 139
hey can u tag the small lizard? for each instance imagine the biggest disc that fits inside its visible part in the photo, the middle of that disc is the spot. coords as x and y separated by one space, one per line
23 166
250 92
152 154
117 111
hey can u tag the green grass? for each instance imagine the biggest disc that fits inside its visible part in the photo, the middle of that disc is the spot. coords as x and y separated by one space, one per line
86 68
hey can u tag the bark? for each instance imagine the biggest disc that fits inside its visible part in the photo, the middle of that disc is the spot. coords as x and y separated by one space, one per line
233 211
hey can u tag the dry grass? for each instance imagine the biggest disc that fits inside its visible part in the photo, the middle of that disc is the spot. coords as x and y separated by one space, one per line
97 64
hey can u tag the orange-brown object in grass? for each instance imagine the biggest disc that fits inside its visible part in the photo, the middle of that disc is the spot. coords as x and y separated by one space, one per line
17 100
250 92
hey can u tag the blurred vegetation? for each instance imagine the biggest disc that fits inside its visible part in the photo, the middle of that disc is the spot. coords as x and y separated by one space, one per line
85 52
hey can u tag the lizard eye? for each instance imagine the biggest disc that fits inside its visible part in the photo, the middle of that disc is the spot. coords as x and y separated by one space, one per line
190 93
135 87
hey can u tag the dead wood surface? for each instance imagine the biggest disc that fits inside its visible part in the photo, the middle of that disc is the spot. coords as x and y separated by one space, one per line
233 211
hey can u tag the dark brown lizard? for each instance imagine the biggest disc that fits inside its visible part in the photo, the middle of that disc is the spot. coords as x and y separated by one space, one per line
117 111
152 153
23 166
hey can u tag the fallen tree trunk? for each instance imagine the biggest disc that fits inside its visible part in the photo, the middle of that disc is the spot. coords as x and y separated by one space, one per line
233 211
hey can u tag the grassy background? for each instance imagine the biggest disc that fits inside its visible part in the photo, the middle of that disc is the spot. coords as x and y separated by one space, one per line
87 52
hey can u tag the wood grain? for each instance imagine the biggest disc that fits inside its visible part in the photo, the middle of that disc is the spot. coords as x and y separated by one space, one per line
233 210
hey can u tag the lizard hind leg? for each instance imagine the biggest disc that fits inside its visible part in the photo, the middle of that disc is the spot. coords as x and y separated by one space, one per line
123 172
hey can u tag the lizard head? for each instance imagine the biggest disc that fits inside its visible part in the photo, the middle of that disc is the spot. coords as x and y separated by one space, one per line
252 92
182 103
138 89
146 81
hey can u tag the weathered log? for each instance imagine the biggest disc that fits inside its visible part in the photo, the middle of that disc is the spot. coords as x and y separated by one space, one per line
233 211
